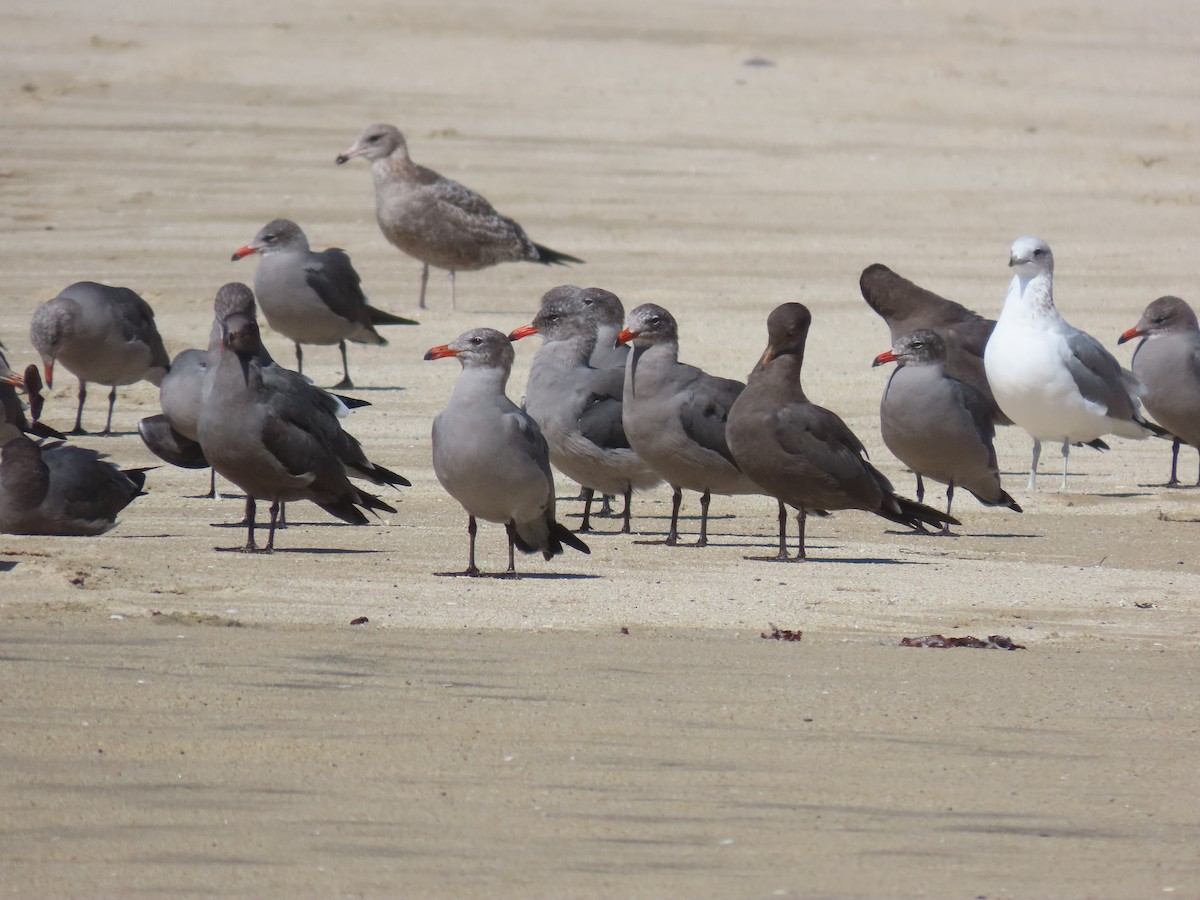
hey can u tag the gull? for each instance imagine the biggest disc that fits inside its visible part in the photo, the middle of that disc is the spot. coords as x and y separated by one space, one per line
313 297
438 221
1053 380
491 456
1167 362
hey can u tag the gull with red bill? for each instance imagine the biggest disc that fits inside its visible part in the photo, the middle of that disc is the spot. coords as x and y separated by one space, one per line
1167 362
101 334
491 456
939 426
313 297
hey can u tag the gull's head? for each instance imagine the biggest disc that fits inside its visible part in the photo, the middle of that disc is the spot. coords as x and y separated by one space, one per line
1031 256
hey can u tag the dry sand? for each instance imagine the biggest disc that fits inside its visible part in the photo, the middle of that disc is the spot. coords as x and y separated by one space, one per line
487 738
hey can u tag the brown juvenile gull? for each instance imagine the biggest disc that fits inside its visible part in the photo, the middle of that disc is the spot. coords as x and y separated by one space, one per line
937 425
102 334
57 488
674 416
1167 362
801 453
1050 378
273 441
578 407
491 456
313 297
438 221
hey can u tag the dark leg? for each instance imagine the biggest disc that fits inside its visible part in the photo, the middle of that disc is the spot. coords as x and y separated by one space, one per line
676 499
949 500
112 399
511 528
274 520
345 383
588 494
299 359
282 515
605 505
250 547
1174 463
628 526
424 282
212 485
920 488
1198 479
78 429
801 520
472 528
783 554
453 292
704 501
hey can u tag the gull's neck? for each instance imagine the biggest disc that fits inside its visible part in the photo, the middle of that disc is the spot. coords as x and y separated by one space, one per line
1031 297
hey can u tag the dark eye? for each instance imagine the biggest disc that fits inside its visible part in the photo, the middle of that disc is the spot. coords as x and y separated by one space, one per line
1039 252
374 138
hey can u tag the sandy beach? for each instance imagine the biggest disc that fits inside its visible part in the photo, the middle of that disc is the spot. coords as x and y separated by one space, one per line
182 722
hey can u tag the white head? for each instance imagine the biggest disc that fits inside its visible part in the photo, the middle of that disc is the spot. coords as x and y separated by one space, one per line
1031 256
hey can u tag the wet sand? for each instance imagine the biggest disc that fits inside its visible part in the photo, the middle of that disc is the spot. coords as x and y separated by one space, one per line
180 721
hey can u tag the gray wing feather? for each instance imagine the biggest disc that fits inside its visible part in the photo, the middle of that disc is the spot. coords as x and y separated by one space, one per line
1099 376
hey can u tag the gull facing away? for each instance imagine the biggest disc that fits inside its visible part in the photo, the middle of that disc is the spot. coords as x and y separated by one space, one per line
491 456
1167 362
313 297
1053 380
802 454
674 416
274 439
438 221
102 334
937 425
578 406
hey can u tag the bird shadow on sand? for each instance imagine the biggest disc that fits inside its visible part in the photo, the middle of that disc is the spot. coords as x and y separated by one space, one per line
7 565
371 388
520 576
961 534
846 560
99 434
306 550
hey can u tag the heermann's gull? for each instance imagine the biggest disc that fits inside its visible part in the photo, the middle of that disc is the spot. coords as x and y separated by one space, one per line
801 453
11 409
1167 362
937 425
606 310
438 221
491 456
577 407
311 297
57 488
674 416
102 334
908 307
273 440
172 435
1055 381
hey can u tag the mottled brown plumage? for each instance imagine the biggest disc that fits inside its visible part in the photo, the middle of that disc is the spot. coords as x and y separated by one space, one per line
438 221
